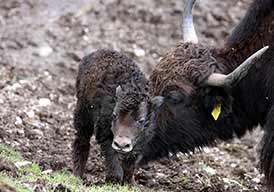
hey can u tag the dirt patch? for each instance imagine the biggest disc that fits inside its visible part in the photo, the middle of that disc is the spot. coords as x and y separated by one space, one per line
6 188
8 168
41 43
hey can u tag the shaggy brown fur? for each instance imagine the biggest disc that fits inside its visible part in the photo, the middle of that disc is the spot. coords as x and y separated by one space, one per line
100 73
186 66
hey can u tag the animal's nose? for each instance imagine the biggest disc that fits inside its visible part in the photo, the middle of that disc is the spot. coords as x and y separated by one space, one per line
122 144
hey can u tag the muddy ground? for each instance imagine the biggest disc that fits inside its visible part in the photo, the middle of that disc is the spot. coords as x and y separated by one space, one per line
41 43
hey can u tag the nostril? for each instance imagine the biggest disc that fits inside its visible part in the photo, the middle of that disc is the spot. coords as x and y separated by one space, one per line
122 144
116 144
127 146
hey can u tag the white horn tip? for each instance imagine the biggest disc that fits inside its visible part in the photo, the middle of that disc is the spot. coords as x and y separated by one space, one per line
261 51
257 54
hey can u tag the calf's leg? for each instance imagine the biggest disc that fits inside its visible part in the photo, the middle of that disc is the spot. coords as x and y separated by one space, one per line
114 170
128 173
84 127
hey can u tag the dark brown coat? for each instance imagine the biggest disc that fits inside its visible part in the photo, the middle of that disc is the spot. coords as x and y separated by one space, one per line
100 73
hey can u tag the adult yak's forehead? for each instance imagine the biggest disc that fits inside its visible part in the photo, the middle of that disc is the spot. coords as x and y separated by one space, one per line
188 65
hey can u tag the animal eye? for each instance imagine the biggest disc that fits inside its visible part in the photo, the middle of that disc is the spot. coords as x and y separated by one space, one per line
141 121
114 116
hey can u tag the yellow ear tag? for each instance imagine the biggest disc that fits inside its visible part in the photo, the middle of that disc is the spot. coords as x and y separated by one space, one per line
216 111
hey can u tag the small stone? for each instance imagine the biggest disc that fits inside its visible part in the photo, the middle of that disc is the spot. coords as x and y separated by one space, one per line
160 175
22 164
23 81
139 52
36 132
85 38
233 165
14 87
226 180
86 30
15 143
43 102
207 150
70 105
154 55
231 181
256 180
159 59
44 51
210 171
84 10
46 172
30 114
18 121
46 73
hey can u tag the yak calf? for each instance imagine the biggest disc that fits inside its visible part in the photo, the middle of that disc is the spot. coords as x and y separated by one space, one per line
107 83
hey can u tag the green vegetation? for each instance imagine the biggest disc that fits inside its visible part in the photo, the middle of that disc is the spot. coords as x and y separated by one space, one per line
29 176
9 154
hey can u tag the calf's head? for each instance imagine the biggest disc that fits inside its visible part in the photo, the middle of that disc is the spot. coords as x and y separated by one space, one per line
130 118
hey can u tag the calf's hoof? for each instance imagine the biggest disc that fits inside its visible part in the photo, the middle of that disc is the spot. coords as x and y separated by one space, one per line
114 180
129 181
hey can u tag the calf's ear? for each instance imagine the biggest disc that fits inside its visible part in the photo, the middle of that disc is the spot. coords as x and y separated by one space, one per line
157 102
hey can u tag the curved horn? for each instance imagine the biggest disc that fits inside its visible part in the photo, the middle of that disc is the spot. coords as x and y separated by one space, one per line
230 80
189 33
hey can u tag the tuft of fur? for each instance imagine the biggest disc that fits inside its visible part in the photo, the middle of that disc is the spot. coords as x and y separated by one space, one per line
185 66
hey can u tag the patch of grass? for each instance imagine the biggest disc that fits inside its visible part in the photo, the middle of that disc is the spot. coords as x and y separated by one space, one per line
7 153
76 184
66 179
28 176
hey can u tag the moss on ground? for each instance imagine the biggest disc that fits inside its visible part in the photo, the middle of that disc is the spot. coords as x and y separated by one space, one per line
29 177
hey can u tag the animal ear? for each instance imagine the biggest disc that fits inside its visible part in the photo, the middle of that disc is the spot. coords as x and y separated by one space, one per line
157 101
118 90
217 102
